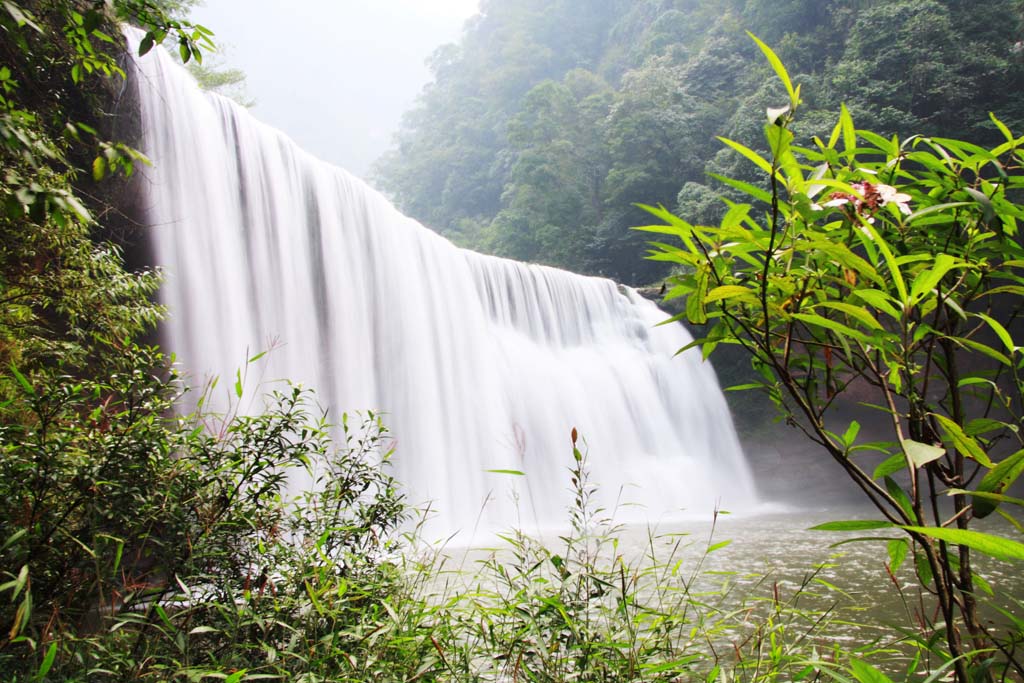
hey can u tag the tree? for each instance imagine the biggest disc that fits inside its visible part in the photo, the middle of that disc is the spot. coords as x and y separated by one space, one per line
893 268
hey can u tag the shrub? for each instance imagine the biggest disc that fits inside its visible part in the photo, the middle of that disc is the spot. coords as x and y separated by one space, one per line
892 268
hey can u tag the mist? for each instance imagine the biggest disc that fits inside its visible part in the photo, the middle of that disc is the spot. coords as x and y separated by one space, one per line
335 76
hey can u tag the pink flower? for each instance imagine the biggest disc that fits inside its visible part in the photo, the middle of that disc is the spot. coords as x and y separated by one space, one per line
869 196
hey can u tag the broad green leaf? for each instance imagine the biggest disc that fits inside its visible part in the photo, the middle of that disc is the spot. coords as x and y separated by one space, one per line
146 44
853 525
921 454
964 444
1000 478
989 544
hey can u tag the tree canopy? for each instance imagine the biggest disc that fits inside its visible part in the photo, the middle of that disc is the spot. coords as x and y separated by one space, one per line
550 119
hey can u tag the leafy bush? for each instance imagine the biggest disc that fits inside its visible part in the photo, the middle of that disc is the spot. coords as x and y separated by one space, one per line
137 542
893 270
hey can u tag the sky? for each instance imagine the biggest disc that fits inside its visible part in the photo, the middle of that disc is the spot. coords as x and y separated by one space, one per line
335 75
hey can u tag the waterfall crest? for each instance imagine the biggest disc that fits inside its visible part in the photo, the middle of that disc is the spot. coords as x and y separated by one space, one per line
479 363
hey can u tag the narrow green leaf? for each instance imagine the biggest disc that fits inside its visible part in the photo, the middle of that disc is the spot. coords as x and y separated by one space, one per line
780 70
728 292
856 312
851 433
878 299
979 495
834 326
865 673
752 190
1001 332
900 496
22 381
238 383
989 544
47 663
897 550
853 525
1000 478
966 445
849 132
750 154
512 472
925 281
1001 126
894 269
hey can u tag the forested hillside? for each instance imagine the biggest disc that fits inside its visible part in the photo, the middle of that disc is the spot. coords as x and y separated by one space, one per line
551 118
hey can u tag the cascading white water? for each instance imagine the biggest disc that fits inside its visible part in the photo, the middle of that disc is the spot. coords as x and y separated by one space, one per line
479 363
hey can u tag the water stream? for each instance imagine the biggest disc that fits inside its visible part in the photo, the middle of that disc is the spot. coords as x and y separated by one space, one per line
479 363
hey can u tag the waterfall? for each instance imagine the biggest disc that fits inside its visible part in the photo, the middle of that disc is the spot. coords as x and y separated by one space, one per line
478 363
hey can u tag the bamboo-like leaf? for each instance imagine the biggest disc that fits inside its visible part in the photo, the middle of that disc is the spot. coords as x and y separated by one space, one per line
853 525
897 550
865 673
1001 332
925 281
983 495
750 154
780 69
894 269
47 663
966 445
22 381
855 312
989 544
849 132
1000 478
878 299
728 292
834 326
752 190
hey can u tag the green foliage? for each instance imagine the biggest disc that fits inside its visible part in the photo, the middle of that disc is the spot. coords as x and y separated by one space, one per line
506 153
891 269
140 543
600 603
